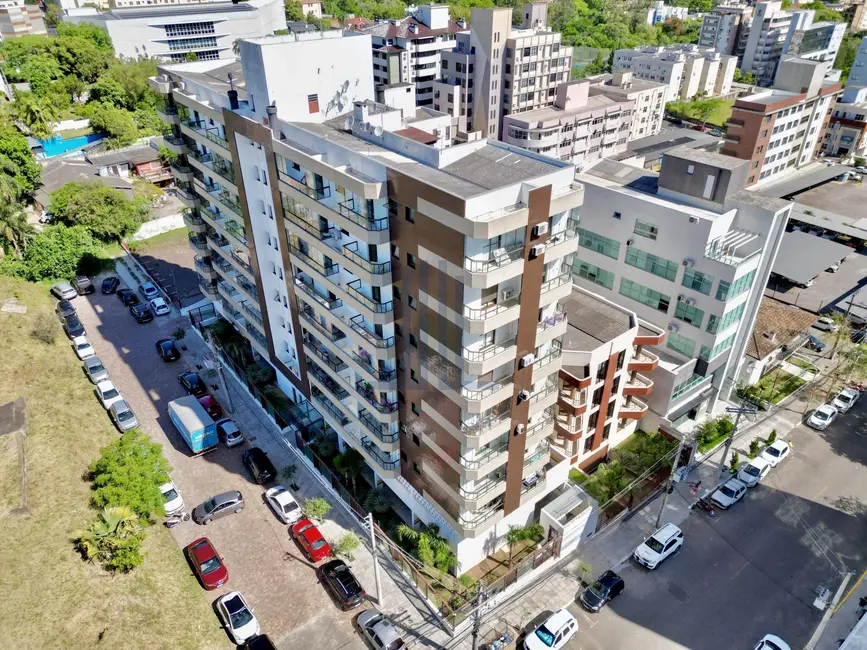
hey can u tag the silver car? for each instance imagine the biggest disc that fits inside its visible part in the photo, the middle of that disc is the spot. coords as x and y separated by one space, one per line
378 631
123 416
218 506
96 372
63 290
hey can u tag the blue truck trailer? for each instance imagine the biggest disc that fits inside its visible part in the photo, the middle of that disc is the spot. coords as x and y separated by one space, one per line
194 424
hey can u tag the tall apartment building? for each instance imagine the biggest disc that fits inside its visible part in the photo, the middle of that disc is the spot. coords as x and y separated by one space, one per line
20 19
406 295
497 70
859 17
602 385
781 129
687 70
846 134
858 73
408 50
172 32
659 12
722 27
690 251
582 125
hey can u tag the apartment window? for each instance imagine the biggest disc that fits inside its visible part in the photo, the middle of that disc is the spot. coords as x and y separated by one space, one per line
588 444
689 314
608 247
645 295
597 396
313 103
415 468
731 317
682 344
701 282
413 304
409 214
594 274
607 430
410 260
396 293
710 353
401 398
644 229
398 332
186 29
727 291
412 340
684 386
403 457
413 375
414 408
620 359
592 420
658 266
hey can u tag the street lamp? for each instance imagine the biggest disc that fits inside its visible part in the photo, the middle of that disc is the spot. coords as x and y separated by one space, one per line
739 410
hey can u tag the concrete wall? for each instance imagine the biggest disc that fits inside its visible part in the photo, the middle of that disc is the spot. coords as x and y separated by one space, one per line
158 226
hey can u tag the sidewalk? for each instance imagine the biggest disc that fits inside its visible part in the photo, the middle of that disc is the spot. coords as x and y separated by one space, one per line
848 614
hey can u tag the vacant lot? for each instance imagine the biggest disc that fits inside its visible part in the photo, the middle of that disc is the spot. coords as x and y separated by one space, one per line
717 118
52 598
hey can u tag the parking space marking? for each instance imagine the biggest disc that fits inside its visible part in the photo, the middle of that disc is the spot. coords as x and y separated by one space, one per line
820 492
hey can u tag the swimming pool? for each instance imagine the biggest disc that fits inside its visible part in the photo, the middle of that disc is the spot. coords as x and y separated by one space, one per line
59 145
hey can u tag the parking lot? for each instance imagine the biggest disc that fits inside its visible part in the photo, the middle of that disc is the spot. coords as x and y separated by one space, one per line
755 568
263 562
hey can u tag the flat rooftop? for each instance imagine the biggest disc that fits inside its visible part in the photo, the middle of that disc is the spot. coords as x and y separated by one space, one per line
802 256
178 11
706 158
669 139
594 103
825 219
604 81
215 75
593 321
803 180
767 97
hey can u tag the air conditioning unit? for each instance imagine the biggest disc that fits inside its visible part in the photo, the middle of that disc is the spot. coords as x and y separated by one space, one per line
538 249
673 327
690 301
681 298
689 262
523 396
506 294
540 229
629 242
527 360
519 429
693 219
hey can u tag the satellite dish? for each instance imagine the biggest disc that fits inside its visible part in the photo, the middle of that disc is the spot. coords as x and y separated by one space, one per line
344 87
377 131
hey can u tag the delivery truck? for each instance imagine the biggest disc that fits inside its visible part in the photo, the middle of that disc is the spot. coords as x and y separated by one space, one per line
194 424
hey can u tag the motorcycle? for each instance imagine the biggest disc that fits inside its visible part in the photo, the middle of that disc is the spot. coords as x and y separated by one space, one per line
173 520
707 506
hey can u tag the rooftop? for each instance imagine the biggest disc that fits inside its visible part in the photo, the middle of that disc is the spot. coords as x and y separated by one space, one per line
57 173
776 324
168 11
604 81
666 140
595 103
388 29
215 75
801 256
593 321
703 157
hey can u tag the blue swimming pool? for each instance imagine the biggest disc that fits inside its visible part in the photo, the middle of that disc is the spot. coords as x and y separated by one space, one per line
59 145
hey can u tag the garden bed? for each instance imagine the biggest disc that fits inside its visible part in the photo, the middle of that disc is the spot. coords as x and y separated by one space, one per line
777 385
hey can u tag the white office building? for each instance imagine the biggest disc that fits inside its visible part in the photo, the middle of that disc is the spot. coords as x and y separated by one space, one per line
660 12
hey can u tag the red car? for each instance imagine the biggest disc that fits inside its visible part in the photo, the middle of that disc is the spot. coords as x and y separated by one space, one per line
212 406
311 540
207 563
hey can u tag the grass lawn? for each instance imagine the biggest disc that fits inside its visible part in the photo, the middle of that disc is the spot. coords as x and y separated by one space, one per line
778 384
142 246
74 133
713 442
802 363
718 117
59 600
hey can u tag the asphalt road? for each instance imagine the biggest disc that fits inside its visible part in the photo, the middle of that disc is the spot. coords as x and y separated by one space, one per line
755 568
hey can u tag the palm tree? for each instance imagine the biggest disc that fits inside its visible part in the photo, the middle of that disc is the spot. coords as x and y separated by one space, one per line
36 114
100 538
10 190
14 228
519 534
378 500
349 464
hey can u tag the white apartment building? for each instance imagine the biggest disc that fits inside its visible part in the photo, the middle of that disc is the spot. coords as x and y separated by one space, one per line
858 73
648 98
846 135
722 27
172 32
689 251
408 50
405 293
311 7
659 12
687 70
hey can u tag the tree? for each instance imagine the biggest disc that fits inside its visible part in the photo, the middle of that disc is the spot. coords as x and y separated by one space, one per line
610 479
704 108
39 72
378 500
58 252
117 123
518 534
129 473
706 432
109 91
36 114
428 546
15 148
347 545
114 539
167 156
294 12
53 14
15 231
744 77
349 464
316 508
88 31
103 210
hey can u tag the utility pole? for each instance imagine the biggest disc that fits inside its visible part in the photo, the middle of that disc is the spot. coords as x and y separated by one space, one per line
740 410
477 617
670 487
379 596
218 363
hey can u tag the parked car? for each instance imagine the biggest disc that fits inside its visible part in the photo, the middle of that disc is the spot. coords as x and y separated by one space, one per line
754 471
173 503
127 297
664 543
82 347
110 285
218 506
846 399
833 268
815 344
729 494
607 587
259 464
192 383
64 309
858 336
149 290
229 433
96 372
378 631
83 285
821 417
73 327
310 540
776 452
554 633
211 405
123 416
237 617
63 290
283 504
772 642
340 581
160 307
107 394
141 313
261 642
206 563
826 324
167 349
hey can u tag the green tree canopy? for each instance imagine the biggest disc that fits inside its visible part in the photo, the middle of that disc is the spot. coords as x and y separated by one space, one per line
103 210
108 91
14 147
117 123
294 12
58 252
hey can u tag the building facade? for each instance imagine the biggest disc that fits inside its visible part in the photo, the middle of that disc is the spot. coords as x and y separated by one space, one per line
407 295
648 99
722 27
858 73
782 128
20 19
845 135
689 251
660 12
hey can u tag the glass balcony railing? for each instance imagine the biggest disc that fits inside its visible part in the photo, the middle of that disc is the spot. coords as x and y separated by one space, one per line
313 229
357 323
212 133
366 391
485 424
332 334
489 351
484 456
240 261
482 489
316 193
564 277
475 519
332 410
250 312
329 303
481 393
377 268
489 311
217 238
256 335
325 356
365 363
377 307
368 222
197 241
377 428
325 271
497 259
333 387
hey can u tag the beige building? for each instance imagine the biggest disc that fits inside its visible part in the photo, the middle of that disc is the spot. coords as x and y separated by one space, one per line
648 98
19 19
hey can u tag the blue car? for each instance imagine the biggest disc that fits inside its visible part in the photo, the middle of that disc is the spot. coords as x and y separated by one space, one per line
816 344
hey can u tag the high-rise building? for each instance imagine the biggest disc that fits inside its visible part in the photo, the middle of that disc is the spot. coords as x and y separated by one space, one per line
846 134
858 73
405 292
659 12
721 28
781 129
690 251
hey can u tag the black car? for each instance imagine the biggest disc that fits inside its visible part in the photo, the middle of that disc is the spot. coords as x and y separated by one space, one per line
167 349
109 285
65 309
607 587
73 327
815 343
339 580
127 297
261 642
259 464
193 384
141 313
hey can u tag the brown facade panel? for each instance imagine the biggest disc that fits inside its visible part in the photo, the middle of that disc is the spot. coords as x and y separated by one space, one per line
441 286
594 459
440 239
442 368
754 136
450 445
607 389
442 329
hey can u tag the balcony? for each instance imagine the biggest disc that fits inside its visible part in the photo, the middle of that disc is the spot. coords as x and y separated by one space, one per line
368 222
480 320
207 288
324 355
364 389
329 303
168 114
633 408
477 400
176 145
247 288
315 193
484 359
217 238
572 400
323 270
253 315
563 242
549 290
322 401
182 172
230 292
338 391
309 316
207 135
374 273
367 366
638 385
380 458
568 426
377 428
357 323
306 220
485 490
353 288
197 241
485 458
548 363
204 268
211 164
223 197
508 260
188 197
734 248
643 361
194 222
550 328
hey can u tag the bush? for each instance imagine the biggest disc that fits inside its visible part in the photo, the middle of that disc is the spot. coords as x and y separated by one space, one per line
104 211
114 538
126 554
735 461
289 473
347 545
707 432
45 328
58 252
772 436
754 449
724 425
316 508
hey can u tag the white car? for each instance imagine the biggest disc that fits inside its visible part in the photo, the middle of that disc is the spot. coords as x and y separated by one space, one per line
754 471
822 417
283 504
776 452
237 617
160 307
772 642
729 494
554 633
82 347
173 503
846 399
664 542
107 394
826 324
